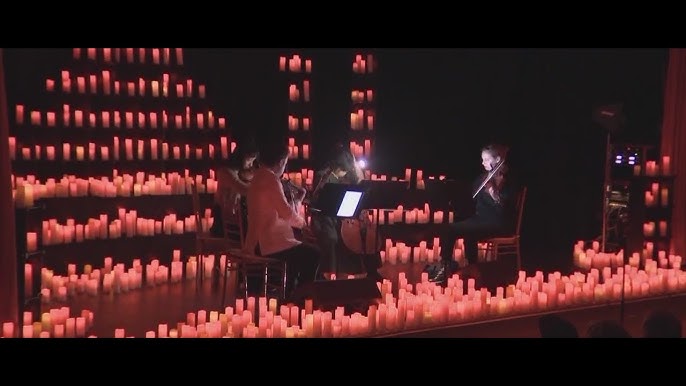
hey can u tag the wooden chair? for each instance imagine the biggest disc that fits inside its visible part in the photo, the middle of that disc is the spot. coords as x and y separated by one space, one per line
509 245
205 242
251 265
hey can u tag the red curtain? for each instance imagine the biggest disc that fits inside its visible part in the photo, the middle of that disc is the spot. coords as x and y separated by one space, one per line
9 310
674 142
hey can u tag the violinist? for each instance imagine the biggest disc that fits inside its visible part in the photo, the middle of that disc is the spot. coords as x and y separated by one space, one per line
494 216
233 180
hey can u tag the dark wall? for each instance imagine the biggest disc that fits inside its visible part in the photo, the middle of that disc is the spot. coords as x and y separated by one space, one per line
437 107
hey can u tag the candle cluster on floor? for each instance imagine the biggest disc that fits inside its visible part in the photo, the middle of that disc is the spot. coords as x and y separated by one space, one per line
55 323
590 257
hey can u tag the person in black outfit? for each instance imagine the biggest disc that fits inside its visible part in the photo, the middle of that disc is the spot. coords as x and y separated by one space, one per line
340 169
494 216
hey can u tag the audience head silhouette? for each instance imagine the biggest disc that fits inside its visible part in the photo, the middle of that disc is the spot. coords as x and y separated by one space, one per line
661 324
607 329
553 326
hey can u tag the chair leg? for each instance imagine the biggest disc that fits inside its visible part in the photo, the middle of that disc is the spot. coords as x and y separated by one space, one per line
519 258
266 280
284 279
226 280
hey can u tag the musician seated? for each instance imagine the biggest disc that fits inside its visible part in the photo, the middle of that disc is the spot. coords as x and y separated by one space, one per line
494 216
271 218
340 169
233 180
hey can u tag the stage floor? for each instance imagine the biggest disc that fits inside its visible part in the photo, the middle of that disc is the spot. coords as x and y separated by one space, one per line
142 310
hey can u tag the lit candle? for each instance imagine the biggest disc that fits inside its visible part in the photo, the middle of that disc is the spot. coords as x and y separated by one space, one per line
165 56
26 153
93 84
106 82
179 90
141 55
8 330
666 167
81 84
201 91
200 120
78 118
664 197
129 120
155 85
156 55
31 237
131 87
308 66
141 86
663 228
35 118
141 120
79 153
153 120
19 115
51 118
50 151
91 53
178 121
50 85
282 63
104 153
116 87
66 151
153 149
91 119
13 147
76 53
179 56
107 54
105 119
222 123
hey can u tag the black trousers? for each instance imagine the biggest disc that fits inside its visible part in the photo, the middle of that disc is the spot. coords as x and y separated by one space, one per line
301 264
472 230
326 230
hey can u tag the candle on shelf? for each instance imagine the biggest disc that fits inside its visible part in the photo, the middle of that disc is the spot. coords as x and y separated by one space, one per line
105 117
31 237
107 55
200 119
116 87
129 119
308 66
50 115
141 120
91 53
66 151
93 84
179 90
26 153
81 84
35 118
91 119
222 123
50 151
19 114
189 88
201 91
106 82
153 120
131 87
13 147
153 149
141 55
50 85
664 197
141 86
155 85
8 330
165 56
76 52
663 228
179 56
666 167
78 118
79 153
156 56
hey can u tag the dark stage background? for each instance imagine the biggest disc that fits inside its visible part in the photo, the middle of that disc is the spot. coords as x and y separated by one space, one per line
437 107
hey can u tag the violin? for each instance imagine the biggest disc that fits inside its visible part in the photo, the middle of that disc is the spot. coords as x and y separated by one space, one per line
493 178
294 194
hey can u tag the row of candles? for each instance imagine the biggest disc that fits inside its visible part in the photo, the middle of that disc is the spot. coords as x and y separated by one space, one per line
56 323
294 123
114 55
358 96
294 150
109 86
117 279
155 148
400 252
652 169
362 65
357 120
128 223
359 150
652 195
295 64
27 191
294 92
113 119
424 304
588 258
649 229
412 216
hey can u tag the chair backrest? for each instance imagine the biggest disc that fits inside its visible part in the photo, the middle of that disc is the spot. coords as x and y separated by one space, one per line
196 207
521 199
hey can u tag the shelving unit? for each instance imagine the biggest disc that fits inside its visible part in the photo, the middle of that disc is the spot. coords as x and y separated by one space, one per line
110 113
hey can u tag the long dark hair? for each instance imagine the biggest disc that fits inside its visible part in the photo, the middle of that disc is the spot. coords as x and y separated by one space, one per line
341 159
244 149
